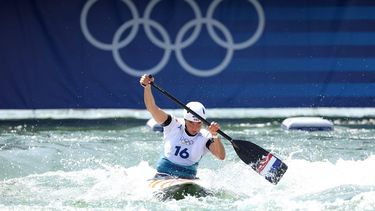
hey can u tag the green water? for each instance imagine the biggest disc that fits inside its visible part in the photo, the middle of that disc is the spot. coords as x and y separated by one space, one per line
105 164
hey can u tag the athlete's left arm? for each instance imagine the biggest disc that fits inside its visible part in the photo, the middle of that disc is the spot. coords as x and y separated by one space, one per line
216 147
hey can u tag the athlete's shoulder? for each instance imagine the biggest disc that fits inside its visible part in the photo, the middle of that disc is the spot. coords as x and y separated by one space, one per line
205 133
174 125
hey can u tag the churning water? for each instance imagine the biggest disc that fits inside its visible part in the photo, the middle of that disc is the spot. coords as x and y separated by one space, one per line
105 164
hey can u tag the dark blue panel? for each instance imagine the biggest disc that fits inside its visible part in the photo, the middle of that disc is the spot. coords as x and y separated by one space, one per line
321 26
90 53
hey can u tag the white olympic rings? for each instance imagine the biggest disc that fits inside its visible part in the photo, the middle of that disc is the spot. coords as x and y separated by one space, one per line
166 43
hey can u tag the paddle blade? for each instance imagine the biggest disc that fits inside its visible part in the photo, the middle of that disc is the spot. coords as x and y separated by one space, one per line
263 162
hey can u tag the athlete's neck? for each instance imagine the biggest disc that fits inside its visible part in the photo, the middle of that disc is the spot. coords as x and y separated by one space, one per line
189 134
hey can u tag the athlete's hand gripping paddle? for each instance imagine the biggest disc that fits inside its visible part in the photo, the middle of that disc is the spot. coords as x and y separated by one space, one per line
262 161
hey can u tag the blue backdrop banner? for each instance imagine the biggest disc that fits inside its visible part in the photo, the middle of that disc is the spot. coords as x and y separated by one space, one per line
224 53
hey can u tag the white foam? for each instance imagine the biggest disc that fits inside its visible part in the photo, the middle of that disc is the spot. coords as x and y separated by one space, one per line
305 186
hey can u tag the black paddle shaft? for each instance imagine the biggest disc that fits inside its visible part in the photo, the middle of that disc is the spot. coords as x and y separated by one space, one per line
191 111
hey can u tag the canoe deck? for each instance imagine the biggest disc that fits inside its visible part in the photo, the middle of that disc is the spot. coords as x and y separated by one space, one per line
177 188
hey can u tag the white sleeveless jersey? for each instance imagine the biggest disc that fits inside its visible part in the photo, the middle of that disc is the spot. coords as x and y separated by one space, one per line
182 149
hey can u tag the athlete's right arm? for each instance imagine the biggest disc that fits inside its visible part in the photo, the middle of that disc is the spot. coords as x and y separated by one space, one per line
158 114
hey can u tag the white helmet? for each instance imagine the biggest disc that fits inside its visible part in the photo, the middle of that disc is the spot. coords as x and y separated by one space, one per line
198 108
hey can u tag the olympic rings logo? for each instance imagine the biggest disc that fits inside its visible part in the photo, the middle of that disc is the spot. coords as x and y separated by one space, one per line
166 43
